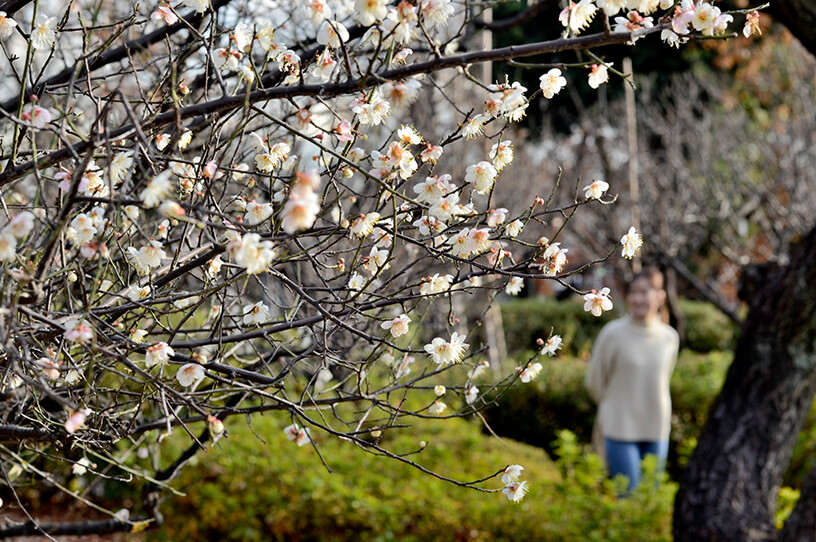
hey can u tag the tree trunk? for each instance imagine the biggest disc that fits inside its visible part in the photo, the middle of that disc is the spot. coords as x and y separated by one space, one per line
730 486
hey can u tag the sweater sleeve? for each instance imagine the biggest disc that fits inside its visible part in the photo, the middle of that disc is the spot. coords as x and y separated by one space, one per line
599 365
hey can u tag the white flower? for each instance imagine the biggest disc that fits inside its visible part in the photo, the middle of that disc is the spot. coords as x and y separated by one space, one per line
597 302
332 34
21 225
8 247
120 166
317 10
502 154
596 190
611 7
474 127
482 175
164 13
79 331
137 335
76 419
552 82
44 33
257 213
242 35
631 242
443 352
403 367
184 139
530 372
38 116
577 16
147 257
511 474
199 5
514 286
398 326
137 294
370 11
514 228
471 394
364 224
158 354
552 345
478 370
515 491
252 253
257 313
437 408
356 281
599 74
297 435
440 390
437 11
7 25
435 284
555 258
81 467
190 374
157 190
162 140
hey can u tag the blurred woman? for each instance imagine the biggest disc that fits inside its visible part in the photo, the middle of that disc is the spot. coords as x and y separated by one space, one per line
632 361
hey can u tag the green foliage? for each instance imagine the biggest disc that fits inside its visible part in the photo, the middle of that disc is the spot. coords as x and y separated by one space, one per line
526 320
250 490
557 399
707 328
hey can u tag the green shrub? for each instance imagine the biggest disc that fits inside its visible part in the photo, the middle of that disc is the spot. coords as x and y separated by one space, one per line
526 320
284 493
557 399
707 328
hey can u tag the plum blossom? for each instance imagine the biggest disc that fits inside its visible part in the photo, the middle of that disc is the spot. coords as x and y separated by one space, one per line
552 345
474 127
146 258
79 331
631 242
437 11
633 22
597 302
190 374
36 115
482 175
599 74
555 258
751 25
478 370
440 390
398 326
444 352
332 34
403 367
252 253
471 394
437 408
157 190
529 373
164 13
515 491
595 190
256 314
299 436
20 225
514 228
257 213
199 5
576 17
7 25
514 286
435 284
158 354
511 474
44 33
551 83
76 419
502 154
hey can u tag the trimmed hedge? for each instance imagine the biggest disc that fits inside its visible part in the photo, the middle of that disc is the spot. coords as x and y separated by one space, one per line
526 320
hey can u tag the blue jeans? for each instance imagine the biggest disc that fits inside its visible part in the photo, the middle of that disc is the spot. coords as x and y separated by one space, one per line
624 457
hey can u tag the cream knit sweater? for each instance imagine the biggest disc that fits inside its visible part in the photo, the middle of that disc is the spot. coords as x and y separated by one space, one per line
628 377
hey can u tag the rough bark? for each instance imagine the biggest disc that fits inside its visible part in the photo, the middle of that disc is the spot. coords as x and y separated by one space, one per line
730 485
